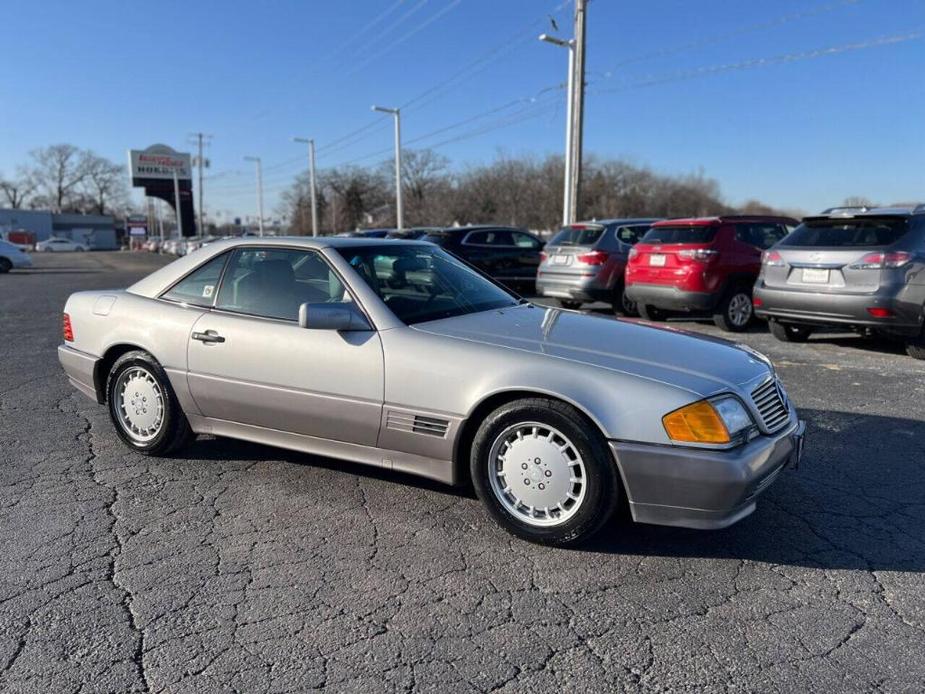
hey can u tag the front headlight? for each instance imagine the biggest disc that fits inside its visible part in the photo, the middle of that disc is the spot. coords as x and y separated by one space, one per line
718 421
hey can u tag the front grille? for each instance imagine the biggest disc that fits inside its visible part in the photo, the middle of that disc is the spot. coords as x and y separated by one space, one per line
771 403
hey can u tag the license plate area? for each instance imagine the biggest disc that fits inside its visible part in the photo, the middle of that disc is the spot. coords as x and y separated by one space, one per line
560 259
812 275
657 260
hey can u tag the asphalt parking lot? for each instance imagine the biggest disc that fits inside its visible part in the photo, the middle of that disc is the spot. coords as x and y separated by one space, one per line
246 568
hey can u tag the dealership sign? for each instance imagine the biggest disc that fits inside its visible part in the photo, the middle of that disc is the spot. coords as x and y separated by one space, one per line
158 162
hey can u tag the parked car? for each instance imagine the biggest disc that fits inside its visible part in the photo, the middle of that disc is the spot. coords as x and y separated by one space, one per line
11 257
856 268
366 233
553 415
23 239
411 234
507 254
58 244
585 262
705 265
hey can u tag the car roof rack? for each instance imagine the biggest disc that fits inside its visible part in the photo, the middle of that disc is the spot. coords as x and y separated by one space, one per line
845 210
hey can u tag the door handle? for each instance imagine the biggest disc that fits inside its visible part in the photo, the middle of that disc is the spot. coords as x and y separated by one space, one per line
208 337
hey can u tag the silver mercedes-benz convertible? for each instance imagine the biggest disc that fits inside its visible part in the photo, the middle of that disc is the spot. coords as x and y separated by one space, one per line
398 354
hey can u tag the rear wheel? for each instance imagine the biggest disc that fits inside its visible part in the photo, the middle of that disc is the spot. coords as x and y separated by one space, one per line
143 406
787 332
734 311
544 472
570 305
650 313
5 265
915 347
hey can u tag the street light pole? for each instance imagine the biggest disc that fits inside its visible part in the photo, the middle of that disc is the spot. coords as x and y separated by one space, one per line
396 112
567 217
256 160
578 107
311 179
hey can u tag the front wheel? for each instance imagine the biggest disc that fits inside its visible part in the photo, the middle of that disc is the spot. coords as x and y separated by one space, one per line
650 313
544 473
569 305
621 304
143 406
734 311
786 332
915 347
5 265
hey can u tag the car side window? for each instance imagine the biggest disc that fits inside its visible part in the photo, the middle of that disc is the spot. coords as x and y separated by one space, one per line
491 237
274 282
198 288
524 240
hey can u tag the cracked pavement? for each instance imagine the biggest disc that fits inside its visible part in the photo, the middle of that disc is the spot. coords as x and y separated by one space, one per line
239 567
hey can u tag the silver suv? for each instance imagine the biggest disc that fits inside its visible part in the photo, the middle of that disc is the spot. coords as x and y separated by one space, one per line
856 268
585 262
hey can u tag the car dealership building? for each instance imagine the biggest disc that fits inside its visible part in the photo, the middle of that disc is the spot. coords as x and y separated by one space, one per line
96 231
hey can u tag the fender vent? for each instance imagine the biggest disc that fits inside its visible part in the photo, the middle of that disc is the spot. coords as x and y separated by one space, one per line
417 424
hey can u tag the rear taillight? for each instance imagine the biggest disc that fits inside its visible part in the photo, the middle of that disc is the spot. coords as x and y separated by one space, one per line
757 302
881 261
593 258
772 259
67 329
878 312
702 255
633 253
543 256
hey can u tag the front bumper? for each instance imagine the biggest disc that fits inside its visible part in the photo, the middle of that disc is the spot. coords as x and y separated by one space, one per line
669 297
700 488
850 310
80 368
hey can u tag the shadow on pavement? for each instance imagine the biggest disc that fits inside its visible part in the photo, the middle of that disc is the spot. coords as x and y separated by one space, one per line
857 501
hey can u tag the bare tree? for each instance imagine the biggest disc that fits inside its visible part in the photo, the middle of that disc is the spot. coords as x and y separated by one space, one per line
17 190
103 182
57 171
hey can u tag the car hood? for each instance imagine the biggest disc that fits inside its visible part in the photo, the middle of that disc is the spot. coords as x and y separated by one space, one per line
701 364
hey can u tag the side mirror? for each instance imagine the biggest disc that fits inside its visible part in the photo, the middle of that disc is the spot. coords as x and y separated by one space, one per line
342 315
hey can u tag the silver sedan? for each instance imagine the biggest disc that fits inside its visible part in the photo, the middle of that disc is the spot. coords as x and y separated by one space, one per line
399 355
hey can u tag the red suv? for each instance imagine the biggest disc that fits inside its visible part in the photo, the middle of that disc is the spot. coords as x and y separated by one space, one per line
704 265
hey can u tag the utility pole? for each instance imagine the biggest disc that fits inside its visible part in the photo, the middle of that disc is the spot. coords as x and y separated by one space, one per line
256 160
311 179
396 112
574 118
176 201
201 163
578 106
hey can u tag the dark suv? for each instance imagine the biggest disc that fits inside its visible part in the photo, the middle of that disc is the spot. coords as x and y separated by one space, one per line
507 254
702 265
856 268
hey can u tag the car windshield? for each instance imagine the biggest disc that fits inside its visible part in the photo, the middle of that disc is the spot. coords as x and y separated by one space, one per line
860 233
702 233
577 235
422 283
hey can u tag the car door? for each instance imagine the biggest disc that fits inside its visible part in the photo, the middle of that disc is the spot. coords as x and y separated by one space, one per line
481 248
251 363
525 257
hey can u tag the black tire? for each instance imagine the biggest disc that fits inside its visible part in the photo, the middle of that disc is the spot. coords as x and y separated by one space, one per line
174 431
787 332
602 491
570 305
915 347
727 315
621 304
650 313
5 265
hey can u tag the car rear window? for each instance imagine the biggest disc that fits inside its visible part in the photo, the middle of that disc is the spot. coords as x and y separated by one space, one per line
441 239
578 235
681 234
860 233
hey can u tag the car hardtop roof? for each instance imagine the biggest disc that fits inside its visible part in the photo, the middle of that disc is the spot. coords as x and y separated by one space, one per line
850 212
309 241
618 220
477 227
719 219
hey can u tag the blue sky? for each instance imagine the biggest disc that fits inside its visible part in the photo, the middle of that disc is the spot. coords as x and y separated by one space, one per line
804 132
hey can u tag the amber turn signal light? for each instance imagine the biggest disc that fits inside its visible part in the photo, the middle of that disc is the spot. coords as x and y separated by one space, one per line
696 423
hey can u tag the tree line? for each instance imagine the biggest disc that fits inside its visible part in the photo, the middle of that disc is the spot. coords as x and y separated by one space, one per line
65 178
523 191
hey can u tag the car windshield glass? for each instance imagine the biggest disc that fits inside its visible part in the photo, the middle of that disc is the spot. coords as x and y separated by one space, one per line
423 283
703 233
578 235
861 233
